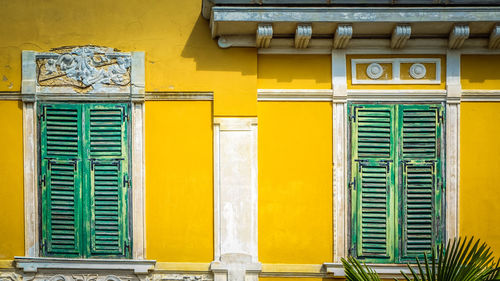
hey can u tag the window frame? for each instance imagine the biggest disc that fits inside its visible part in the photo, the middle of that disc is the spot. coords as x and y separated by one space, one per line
132 93
84 247
450 96
397 248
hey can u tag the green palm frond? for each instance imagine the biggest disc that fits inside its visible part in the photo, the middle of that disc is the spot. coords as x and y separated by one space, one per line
461 260
354 271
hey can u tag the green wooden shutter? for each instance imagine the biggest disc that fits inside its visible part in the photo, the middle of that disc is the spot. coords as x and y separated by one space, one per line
60 179
372 182
420 194
107 156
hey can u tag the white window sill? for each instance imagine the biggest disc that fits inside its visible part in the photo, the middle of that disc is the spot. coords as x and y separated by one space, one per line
32 264
383 270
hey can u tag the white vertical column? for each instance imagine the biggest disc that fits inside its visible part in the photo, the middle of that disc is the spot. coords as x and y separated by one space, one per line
454 92
137 84
235 199
28 90
340 204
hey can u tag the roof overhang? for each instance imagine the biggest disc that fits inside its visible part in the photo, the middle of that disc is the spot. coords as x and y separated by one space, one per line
267 26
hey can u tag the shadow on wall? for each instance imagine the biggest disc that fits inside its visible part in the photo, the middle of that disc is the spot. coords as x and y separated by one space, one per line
208 56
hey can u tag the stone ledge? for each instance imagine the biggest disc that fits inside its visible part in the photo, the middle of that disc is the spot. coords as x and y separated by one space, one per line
32 264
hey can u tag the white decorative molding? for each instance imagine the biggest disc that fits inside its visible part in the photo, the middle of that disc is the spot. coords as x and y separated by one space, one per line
264 35
294 95
417 71
374 68
32 265
178 96
385 271
494 42
396 95
343 35
480 95
303 34
458 35
87 74
10 276
235 199
236 267
400 36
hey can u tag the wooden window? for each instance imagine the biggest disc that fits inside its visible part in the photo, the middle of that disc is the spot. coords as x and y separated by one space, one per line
84 180
396 180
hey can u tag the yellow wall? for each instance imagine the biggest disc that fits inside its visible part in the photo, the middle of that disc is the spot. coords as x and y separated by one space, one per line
179 197
395 87
180 54
480 72
479 172
294 72
11 180
295 182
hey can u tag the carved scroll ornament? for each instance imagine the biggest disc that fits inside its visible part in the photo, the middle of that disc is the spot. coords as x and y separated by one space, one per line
84 68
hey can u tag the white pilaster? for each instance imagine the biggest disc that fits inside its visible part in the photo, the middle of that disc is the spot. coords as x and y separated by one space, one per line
235 199
454 92
340 202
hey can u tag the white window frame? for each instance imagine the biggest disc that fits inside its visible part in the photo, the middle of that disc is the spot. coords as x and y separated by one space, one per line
31 95
341 96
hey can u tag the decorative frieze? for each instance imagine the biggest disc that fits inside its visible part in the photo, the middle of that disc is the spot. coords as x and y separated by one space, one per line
396 71
83 69
494 42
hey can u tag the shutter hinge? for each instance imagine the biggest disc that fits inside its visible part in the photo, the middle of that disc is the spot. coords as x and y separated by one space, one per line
352 184
42 181
41 114
127 247
127 182
44 246
125 115
386 164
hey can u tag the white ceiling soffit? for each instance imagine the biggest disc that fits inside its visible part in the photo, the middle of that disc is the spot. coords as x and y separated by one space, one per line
237 26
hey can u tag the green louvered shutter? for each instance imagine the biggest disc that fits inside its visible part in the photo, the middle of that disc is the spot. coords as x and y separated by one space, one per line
60 179
420 193
107 156
372 182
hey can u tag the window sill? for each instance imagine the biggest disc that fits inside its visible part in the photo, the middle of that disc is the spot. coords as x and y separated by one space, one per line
32 264
384 270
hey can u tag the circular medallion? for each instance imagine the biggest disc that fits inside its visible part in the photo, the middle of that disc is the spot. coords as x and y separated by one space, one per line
374 71
417 71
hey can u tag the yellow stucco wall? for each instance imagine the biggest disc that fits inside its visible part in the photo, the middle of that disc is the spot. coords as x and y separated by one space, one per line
179 196
479 172
295 182
180 53
480 72
294 72
11 180
440 86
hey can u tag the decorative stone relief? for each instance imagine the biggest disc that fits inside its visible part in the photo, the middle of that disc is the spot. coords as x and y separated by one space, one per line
181 277
374 71
83 68
10 276
396 71
417 70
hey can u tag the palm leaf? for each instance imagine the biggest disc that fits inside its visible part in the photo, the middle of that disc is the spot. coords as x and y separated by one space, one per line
354 271
461 260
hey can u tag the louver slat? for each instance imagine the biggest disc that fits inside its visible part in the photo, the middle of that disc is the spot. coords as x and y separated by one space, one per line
418 205
374 210
421 210
372 172
108 157
61 181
